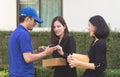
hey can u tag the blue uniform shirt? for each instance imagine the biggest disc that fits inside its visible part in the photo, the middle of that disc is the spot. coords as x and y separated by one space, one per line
19 42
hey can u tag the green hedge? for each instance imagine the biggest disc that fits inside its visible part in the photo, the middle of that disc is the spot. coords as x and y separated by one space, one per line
43 72
83 40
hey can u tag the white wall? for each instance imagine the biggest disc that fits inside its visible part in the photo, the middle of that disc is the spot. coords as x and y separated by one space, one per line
77 13
7 14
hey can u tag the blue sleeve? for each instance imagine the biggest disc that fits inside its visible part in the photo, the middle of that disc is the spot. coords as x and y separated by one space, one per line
25 42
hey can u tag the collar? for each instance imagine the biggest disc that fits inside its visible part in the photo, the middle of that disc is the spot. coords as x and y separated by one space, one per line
22 27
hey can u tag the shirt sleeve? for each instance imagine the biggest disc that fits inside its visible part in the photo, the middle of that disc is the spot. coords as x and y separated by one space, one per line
25 42
100 56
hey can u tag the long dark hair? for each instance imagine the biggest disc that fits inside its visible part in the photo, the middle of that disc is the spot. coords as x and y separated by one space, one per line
54 38
102 29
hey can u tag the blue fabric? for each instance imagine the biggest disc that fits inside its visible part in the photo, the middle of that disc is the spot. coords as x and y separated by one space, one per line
18 43
31 12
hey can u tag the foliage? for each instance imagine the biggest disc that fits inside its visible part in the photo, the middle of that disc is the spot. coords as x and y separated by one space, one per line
43 72
4 70
112 73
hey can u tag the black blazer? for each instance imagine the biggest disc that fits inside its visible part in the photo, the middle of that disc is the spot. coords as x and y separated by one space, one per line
68 45
97 55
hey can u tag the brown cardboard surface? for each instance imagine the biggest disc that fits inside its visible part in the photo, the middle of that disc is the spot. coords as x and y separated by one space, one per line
53 62
81 57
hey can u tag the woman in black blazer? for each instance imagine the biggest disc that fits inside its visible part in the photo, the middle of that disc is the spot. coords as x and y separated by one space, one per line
99 30
65 45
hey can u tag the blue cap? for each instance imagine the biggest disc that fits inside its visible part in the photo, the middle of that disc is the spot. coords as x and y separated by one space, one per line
31 12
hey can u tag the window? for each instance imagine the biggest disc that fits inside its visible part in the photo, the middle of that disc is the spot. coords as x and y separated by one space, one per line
50 9
46 9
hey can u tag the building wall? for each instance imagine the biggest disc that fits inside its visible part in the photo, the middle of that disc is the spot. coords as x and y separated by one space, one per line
76 14
7 14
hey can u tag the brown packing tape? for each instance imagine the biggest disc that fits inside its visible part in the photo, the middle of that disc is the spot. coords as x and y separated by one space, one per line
53 62
81 57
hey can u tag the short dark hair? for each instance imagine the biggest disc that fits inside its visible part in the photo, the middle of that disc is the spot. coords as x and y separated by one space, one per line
22 18
54 38
102 29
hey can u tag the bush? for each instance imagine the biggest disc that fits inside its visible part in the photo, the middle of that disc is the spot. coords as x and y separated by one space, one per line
112 73
4 70
43 72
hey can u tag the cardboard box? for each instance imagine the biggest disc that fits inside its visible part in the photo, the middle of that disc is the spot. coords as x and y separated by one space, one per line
81 57
53 62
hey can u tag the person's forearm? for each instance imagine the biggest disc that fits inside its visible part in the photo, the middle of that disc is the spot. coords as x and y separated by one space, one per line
38 56
87 65
30 57
33 57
